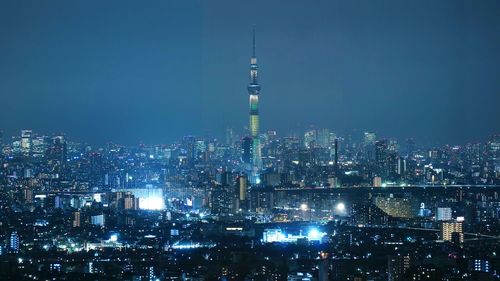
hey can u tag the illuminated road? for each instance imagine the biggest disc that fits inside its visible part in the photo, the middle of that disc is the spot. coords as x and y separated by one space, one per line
477 235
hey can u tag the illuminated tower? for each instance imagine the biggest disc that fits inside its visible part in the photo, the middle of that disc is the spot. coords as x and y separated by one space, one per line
254 91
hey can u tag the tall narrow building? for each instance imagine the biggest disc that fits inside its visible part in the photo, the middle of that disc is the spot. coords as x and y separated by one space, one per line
254 91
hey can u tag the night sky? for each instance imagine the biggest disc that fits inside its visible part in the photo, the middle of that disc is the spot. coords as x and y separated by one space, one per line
154 71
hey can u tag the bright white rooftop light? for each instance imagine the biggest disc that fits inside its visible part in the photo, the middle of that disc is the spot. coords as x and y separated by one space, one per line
341 207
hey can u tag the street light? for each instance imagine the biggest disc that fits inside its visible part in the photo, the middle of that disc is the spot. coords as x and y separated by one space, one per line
303 207
340 207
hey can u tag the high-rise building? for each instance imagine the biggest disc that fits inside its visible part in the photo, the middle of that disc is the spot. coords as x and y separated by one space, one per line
443 214
393 146
189 149
382 158
369 138
401 166
76 219
221 201
449 229
254 91
336 149
26 142
323 267
58 150
242 188
409 147
130 202
229 136
493 151
224 178
310 138
39 146
28 194
246 150
323 138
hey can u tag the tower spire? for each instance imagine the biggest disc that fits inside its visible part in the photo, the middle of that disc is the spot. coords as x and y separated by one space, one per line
253 42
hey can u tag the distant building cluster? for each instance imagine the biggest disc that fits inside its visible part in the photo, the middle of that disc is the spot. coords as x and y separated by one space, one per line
371 210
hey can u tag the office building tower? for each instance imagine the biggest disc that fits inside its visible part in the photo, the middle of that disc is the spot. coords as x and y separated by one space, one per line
26 142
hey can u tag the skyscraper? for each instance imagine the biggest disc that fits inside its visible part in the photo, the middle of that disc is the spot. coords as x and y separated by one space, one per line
369 140
310 138
26 142
246 151
242 188
254 91
76 219
381 158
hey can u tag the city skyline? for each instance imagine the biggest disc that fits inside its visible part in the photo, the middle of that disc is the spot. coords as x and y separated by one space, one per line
264 140
148 81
